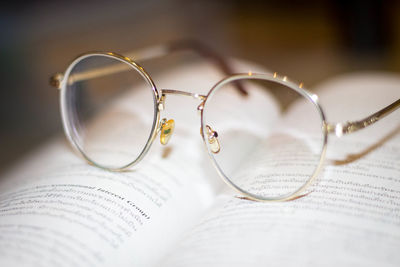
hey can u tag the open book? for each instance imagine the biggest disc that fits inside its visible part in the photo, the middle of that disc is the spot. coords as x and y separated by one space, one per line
174 210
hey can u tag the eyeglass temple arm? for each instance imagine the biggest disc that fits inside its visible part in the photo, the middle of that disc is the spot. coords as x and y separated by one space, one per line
156 52
340 129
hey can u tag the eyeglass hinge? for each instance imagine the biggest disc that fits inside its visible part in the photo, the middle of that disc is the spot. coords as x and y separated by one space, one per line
336 128
56 79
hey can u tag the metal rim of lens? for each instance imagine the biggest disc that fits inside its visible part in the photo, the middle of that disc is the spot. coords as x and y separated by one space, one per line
65 117
272 77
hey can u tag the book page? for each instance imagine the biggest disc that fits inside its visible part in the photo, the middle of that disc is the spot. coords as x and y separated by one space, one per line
57 210
350 216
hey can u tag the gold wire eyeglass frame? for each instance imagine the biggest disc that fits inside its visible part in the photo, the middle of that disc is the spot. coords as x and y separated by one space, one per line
59 81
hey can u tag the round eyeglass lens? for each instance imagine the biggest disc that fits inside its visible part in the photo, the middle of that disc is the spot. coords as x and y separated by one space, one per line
268 144
109 110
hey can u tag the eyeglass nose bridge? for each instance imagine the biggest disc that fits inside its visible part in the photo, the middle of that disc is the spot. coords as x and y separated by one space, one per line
166 128
165 92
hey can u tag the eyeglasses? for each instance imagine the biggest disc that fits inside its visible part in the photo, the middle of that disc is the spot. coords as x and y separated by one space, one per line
257 145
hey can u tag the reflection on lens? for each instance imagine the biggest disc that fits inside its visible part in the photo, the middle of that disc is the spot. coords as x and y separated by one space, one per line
265 150
108 110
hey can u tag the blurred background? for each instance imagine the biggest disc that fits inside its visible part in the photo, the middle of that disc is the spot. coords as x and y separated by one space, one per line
306 40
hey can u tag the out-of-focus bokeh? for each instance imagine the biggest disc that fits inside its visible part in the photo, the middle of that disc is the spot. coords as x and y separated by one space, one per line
307 40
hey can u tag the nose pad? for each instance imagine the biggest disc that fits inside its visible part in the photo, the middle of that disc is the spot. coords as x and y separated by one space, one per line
167 129
212 138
